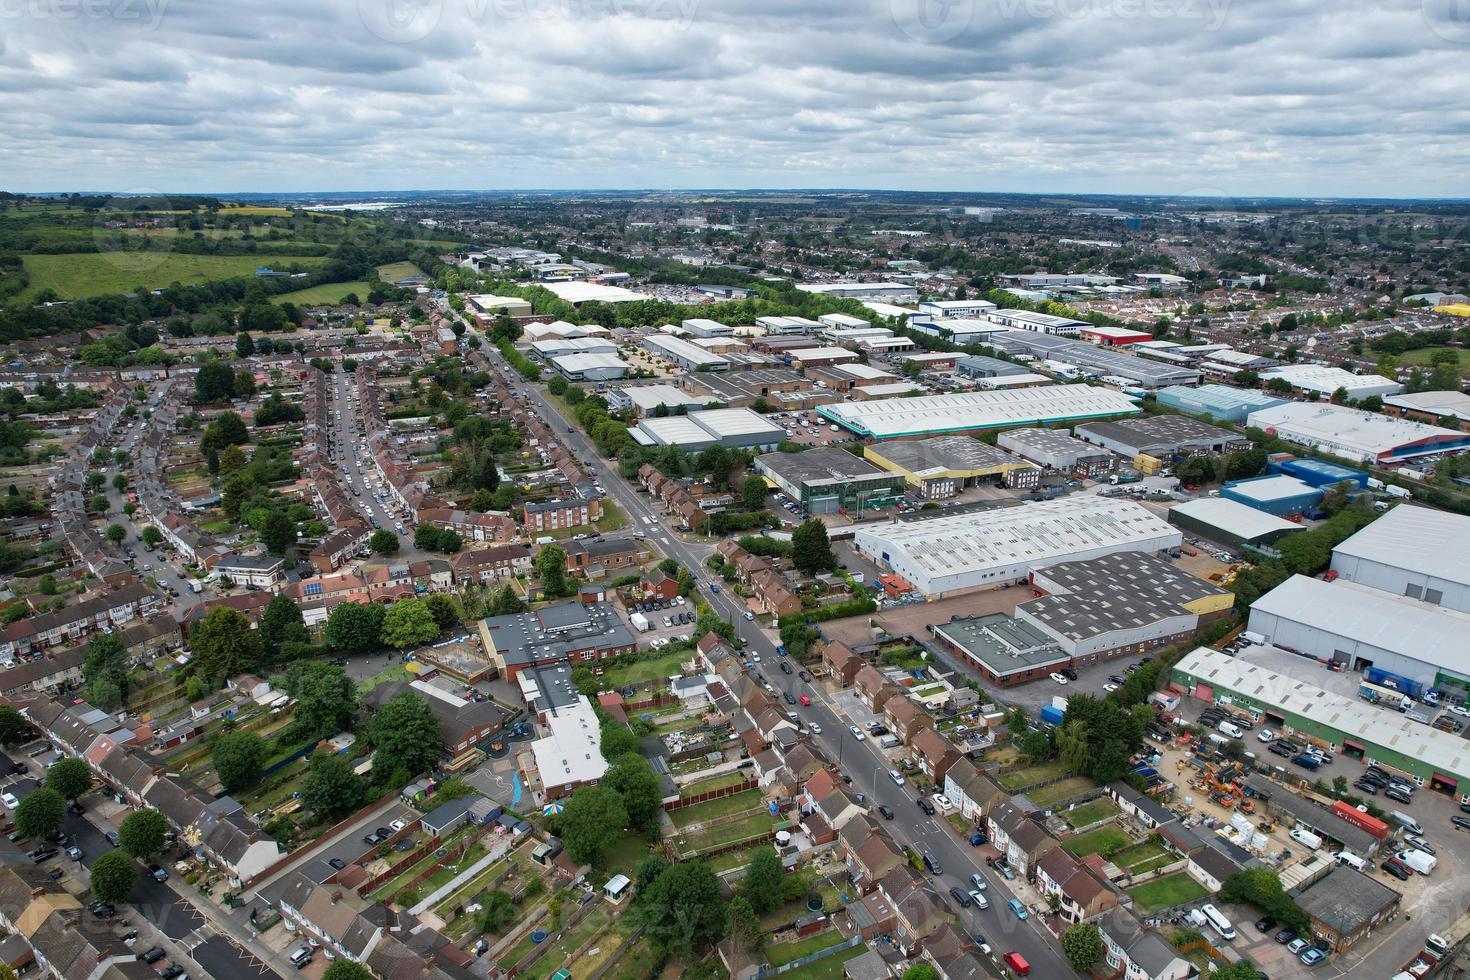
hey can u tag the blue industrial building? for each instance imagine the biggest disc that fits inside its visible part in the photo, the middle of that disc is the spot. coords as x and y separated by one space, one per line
1279 495
1217 401
1318 472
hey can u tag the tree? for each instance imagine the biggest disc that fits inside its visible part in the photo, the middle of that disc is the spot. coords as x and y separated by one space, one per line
239 758
348 970
506 602
383 542
116 533
14 728
404 730
331 790
811 552
446 614
617 740
325 698
408 623
745 926
921 971
279 532
633 779
113 877
1239 970
497 911
228 429
215 382
1082 945
142 833
762 884
282 622
69 777
753 492
40 813
354 628
151 536
683 909
244 346
224 644
593 819
551 567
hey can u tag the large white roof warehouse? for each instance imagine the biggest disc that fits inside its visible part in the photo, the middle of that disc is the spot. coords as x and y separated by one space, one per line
1355 434
1414 551
586 292
948 555
895 418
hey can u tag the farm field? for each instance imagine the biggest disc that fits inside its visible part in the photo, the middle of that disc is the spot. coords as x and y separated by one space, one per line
398 270
327 292
83 274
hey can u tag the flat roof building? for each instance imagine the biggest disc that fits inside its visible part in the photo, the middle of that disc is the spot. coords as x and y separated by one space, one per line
567 756
956 308
961 553
500 305
1357 626
980 366
1060 326
1229 522
1096 361
1161 436
1220 402
818 356
1005 651
690 357
942 467
1347 905
1356 435
776 326
569 631
741 388
1059 450
590 367
706 328
1113 336
1413 551
646 399
825 479
888 292
1350 725
729 427
1279 495
562 346
898 418
1325 380
959 331
1430 406
577 293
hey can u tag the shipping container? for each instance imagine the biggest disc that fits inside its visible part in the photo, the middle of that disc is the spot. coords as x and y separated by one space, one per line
1052 715
1361 820
1396 682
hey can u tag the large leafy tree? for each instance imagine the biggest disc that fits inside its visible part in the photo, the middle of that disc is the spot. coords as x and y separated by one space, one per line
409 623
13 726
325 698
811 551
383 542
617 740
142 833
281 623
279 532
404 730
354 628
40 813
683 909
753 492
239 758
331 790
69 777
105 670
593 819
444 610
113 877
921 971
763 879
1082 945
633 779
224 644
551 567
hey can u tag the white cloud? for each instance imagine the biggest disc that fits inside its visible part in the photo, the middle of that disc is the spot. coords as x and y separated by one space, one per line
1245 97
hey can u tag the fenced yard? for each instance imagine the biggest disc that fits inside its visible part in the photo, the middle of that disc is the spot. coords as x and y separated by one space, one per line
710 810
1090 813
1063 789
1143 857
1098 841
1033 775
1166 892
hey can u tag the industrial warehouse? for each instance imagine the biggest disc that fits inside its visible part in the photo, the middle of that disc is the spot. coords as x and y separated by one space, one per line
1350 726
1058 450
965 552
1220 402
1080 356
826 479
1356 435
899 418
733 428
1161 437
1230 523
1411 551
942 467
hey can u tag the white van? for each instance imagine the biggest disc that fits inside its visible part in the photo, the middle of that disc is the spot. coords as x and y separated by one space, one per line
1351 860
1228 729
1305 837
1407 822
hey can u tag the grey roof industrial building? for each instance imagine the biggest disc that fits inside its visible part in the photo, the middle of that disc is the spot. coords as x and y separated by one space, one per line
1412 551
1346 905
1056 449
552 633
729 427
1230 523
1006 651
1098 360
980 366
690 357
646 399
1160 436
825 478
959 553
897 418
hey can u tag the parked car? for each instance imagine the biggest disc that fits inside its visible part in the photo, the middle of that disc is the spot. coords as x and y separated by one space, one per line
886 811
1312 957
153 955
158 873
925 805
1285 936
337 864
1018 908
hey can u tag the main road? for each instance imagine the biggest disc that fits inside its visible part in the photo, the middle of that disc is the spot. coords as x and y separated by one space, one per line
859 759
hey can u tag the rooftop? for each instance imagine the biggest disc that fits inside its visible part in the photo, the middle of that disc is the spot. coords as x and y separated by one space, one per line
584 292
1002 644
1435 543
1234 518
552 632
1351 432
944 454
1346 900
569 753
893 417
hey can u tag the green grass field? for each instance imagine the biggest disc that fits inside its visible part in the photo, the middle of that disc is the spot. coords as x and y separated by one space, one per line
1143 858
783 953
1167 892
1046 796
398 270
722 807
326 293
1096 841
1090 813
1032 775
99 274
646 670
1421 358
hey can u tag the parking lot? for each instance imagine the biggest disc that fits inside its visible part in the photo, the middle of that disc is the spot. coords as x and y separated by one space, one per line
659 634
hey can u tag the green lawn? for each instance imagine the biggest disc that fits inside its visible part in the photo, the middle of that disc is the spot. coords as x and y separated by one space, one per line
1142 858
81 274
397 672
1167 892
827 968
1046 796
1096 841
712 783
613 518
1032 775
398 270
626 855
650 668
1421 358
727 833
734 859
783 953
724 806
1090 813
328 293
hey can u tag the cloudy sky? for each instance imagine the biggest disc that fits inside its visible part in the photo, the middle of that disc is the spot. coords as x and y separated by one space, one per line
1229 97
